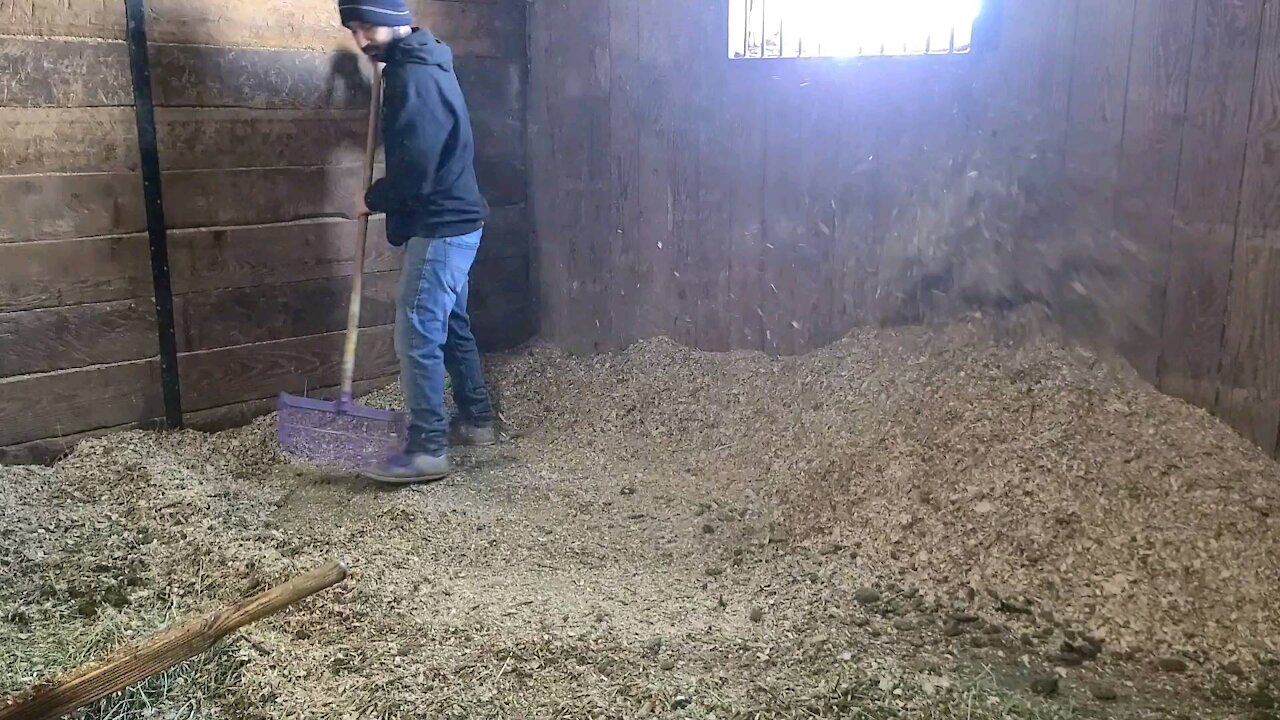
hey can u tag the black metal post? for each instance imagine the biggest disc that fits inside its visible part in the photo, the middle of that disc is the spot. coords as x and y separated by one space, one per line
149 154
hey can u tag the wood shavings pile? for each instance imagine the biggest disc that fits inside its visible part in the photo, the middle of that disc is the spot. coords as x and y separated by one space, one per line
662 529
965 458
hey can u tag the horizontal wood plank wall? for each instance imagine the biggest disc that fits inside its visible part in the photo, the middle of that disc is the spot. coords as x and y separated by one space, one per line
77 320
261 128
1112 158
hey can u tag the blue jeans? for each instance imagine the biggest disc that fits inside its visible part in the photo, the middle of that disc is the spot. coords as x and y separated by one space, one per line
432 334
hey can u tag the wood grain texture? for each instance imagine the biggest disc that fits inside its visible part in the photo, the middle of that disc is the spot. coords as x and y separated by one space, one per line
1151 155
74 401
1220 90
47 207
471 29
212 76
1100 74
69 272
569 124
238 257
224 138
501 304
503 181
37 341
66 18
68 140
249 372
251 196
220 138
204 260
1249 396
660 250
63 73
623 285
241 316
259 196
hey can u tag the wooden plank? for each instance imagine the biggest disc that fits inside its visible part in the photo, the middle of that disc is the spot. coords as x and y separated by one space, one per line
44 72
67 272
475 29
217 138
804 179
486 29
748 105
652 78
544 98
205 198
208 138
68 140
503 181
248 372
212 259
1250 394
1100 69
1159 68
501 303
65 18
242 316
681 91
1213 143
47 451
1096 115
47 207
857 231
621 287
37 341
496 99
508 233
203 260
220 138
208 76
572 133
249 196
74 401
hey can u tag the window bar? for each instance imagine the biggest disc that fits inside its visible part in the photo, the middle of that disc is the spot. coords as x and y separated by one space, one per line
764 30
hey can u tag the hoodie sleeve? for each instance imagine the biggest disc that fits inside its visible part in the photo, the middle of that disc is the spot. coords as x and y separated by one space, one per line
416 125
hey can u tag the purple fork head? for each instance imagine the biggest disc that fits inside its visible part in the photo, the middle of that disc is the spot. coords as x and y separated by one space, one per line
338 434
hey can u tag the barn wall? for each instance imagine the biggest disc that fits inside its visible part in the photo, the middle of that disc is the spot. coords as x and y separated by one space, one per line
1112 159
77 327
260 109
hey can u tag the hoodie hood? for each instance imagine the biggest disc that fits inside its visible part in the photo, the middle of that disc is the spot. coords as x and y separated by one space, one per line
420 48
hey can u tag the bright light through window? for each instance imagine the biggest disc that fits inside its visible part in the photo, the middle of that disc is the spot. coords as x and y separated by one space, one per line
850 28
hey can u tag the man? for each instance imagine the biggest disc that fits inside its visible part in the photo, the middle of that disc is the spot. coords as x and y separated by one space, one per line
435 211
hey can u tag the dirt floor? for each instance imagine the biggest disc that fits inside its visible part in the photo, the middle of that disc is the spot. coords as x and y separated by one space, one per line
961 522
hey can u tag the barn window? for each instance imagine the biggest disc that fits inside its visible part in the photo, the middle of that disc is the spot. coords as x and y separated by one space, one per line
850 28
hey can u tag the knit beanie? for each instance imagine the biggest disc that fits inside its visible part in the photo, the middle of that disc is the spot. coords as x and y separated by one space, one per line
387 13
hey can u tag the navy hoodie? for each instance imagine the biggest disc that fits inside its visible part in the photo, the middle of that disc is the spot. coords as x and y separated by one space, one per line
430 188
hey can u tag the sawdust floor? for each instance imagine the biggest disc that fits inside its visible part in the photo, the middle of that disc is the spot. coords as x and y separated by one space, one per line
552 576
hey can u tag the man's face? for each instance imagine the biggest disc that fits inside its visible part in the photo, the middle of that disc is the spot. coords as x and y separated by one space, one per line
372 39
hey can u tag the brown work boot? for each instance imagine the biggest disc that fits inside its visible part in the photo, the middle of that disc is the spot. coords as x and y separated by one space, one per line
463 434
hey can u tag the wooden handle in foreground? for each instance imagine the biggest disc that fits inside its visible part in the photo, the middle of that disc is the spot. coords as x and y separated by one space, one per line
167 648
362 236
